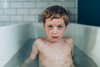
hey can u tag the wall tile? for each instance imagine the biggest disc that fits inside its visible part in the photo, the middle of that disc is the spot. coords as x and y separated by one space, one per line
4 4
1 11
0 4
29 18
4 18
73 10
9 11
22 11
16 5
42 4
55 3
29 4
69 4
16 18
36 11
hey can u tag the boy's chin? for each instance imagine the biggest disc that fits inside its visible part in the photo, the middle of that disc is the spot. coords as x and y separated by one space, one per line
54 40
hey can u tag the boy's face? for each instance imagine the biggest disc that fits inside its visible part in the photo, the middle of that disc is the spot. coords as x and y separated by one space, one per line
55 29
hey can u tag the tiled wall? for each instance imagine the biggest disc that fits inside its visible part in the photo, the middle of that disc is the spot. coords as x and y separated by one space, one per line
28 11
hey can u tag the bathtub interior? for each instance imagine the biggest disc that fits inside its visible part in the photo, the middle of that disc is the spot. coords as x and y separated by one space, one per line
81 59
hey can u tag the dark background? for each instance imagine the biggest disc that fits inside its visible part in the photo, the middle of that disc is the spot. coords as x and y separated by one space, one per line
89 12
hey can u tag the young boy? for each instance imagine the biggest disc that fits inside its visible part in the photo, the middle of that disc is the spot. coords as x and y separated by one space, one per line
55 50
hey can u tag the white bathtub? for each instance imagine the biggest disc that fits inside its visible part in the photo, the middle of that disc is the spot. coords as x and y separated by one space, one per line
85 37
12 38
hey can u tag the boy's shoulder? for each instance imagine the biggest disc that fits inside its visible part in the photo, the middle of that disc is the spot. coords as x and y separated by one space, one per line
39 41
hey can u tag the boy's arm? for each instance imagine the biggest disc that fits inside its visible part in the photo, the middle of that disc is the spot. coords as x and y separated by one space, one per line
70 41
72 47
32 56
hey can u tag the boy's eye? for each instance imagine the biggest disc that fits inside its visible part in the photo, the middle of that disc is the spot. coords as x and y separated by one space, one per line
60 27
50 26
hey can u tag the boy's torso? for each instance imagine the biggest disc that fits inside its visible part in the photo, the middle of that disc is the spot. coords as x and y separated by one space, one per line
55 55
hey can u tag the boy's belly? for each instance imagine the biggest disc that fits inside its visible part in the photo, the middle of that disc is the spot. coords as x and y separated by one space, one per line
56 65
47 63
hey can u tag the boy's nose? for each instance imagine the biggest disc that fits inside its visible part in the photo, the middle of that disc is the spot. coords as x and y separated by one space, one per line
55 31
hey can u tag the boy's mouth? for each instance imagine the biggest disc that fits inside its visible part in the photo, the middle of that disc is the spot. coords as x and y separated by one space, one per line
55 37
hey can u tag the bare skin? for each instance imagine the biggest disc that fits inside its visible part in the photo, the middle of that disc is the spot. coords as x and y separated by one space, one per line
53 54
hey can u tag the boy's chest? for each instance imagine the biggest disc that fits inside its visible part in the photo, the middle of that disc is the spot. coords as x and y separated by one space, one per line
55 52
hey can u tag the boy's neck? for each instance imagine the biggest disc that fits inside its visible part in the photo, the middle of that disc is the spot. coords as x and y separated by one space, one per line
55 42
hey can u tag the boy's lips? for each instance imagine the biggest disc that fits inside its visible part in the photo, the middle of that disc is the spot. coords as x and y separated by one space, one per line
55 37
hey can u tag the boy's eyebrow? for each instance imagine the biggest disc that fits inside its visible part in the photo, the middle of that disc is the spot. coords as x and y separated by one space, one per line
61 24
57 24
